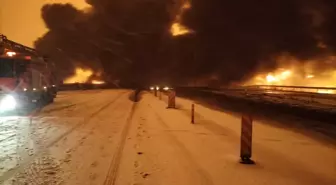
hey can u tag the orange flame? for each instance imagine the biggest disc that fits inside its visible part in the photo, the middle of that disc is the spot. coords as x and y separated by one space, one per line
81 76
321 91
300 73
177 28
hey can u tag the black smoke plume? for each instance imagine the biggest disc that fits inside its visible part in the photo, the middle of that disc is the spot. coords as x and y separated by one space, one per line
130 40
121 38
233 38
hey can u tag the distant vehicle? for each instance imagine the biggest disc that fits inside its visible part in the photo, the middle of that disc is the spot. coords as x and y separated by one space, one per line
166 88
26 77
160 88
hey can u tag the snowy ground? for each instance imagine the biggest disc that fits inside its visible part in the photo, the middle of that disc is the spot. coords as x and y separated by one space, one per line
101 137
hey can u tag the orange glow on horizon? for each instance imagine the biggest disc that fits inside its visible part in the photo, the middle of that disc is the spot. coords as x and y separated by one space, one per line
299 73
97 82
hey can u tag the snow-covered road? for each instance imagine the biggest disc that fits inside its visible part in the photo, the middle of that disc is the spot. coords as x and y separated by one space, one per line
101 137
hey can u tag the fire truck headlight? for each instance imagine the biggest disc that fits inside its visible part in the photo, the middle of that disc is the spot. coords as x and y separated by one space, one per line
10 53
7 103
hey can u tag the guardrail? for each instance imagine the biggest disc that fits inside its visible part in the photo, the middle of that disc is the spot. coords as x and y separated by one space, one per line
298 95
318 90
297 91
289 99
312 93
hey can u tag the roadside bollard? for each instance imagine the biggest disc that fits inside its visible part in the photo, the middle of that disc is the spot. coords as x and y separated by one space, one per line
155 92
192 113
136 95
246 140
171 99
160 95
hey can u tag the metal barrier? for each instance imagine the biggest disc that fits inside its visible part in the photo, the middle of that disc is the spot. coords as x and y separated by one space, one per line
292 89
309 94
314 90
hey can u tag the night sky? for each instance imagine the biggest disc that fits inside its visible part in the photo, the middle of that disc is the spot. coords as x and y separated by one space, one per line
18 14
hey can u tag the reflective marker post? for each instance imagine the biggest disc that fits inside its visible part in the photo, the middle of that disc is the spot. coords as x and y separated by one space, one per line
160 95
192 113
171 99
246 140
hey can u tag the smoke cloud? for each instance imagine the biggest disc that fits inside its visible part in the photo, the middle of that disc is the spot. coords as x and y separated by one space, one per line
233 38
122 38
230 40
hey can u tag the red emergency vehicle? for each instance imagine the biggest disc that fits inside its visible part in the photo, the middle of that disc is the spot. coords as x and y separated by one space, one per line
26 78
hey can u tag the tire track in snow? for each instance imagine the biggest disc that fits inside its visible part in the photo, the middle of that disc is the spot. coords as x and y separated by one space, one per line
60 108
45 171
31 159
45 110
204 177
112 173
85 136
90 138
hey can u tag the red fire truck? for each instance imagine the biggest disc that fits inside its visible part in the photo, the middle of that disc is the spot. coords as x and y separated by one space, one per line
26 78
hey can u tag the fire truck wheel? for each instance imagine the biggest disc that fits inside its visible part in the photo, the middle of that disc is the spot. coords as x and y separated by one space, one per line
42 101
50 97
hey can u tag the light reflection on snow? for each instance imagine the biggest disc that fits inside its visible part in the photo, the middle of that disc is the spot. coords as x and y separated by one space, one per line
22 137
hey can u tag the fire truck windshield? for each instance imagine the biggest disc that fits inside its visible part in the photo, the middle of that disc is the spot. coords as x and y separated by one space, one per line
6 68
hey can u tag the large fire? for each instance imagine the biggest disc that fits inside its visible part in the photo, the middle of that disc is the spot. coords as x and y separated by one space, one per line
294 73
177 28
82 76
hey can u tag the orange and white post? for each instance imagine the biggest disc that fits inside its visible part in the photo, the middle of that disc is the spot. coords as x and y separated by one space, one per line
246 140
160 95
171 99
193 113
155 92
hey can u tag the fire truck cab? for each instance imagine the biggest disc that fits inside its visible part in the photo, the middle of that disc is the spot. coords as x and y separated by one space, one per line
26 78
